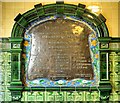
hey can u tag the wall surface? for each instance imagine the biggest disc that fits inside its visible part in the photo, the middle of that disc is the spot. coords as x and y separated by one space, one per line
0 18
8 11
11 9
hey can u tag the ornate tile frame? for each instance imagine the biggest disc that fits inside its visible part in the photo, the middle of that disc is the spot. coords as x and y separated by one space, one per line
39 12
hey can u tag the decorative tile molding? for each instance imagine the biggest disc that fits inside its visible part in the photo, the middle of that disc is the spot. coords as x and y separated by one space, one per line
13 73
5 76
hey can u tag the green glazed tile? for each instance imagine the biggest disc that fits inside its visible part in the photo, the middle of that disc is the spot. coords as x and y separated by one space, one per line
49 96
88 96
6 45
15 45
95 96
6 57
2 96
59 96
31 98
70 96
15 57
40 96
7 96
79 96
24 97
8 67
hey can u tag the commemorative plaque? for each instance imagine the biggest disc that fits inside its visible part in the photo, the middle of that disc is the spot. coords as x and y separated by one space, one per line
60 50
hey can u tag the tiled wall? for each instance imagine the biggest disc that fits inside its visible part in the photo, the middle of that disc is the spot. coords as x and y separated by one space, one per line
61 96
5 76
8 11
115 74
5 95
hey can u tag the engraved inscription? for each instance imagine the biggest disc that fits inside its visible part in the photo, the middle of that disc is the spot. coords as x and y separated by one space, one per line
60 50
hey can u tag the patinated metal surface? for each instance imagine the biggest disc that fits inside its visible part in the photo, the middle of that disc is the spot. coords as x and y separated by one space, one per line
60 50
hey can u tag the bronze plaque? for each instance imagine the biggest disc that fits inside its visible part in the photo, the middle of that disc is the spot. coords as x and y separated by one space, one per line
60 50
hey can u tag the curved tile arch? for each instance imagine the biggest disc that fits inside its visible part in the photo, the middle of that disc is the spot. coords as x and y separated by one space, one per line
23 21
